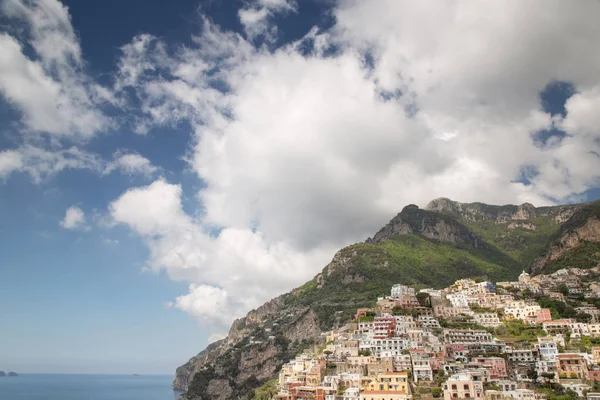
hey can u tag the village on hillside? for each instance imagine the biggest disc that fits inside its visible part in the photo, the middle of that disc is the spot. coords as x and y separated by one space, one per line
536 338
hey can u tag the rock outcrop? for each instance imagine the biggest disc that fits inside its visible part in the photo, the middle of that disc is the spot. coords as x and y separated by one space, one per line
501 214
582 228
428 224
2 373
12 374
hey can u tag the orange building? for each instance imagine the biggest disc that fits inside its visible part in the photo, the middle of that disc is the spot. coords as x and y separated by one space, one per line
572 365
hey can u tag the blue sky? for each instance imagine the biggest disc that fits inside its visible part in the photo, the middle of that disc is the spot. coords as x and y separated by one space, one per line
167 166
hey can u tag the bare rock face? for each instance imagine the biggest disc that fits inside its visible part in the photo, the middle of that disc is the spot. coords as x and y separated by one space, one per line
501 214
589 231
219 389
428 224
253 352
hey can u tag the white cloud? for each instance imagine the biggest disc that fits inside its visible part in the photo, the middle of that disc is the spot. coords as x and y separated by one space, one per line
216 336
304 153
582 113
74 219
10 161
256 17
230 273
131 164
52 92
42 163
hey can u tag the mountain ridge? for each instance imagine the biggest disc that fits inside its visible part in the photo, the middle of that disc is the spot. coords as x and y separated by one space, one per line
433 247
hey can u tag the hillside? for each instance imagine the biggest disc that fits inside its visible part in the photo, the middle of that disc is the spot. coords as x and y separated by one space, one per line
421 247
575 243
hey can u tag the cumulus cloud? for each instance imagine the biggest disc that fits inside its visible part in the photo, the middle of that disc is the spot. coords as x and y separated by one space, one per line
51 88
74 219
316 144
231 272
131 164
302 152
10 161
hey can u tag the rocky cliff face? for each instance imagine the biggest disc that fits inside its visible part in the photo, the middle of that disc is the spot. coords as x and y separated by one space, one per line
428 224
501 214
254 350
581 230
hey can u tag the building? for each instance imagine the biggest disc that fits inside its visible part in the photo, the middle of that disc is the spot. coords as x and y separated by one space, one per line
496 366
463 386
421 367
558 326
389 386
547 348
441 311
454 336
594 330
571 366
520 309
489 320
522 355
384 327
543 315
525 278
399 291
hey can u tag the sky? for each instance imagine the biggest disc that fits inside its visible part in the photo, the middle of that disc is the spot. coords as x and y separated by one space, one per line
166 166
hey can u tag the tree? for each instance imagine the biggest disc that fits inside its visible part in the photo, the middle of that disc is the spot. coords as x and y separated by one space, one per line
364 352
563 289
424 299
548 375
571 394
532 374
436 392
582 317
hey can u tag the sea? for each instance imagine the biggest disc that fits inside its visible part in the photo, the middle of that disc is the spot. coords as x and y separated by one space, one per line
87 387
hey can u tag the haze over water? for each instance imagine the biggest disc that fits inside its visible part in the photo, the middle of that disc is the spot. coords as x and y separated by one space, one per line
88 387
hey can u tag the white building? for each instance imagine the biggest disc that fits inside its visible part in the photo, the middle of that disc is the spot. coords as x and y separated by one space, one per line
399 291
522 310
490 320
547 348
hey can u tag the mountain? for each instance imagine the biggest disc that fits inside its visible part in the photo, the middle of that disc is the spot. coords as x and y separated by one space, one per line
575 243
430 247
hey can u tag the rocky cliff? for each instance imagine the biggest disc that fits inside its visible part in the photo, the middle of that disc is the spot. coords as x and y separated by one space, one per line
576 243
432 247
428 224
501 214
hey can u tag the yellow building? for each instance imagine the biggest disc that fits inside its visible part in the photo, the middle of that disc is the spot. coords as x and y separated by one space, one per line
388 386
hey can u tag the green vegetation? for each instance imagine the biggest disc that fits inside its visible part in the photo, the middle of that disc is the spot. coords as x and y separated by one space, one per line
518 331
199 384
585 256
265 392
558 309
521 244
407 259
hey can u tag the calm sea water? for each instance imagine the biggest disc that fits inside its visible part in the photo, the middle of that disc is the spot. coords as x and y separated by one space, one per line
87 387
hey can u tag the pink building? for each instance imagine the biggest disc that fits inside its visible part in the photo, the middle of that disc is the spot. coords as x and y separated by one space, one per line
384 327
496 366
543 315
